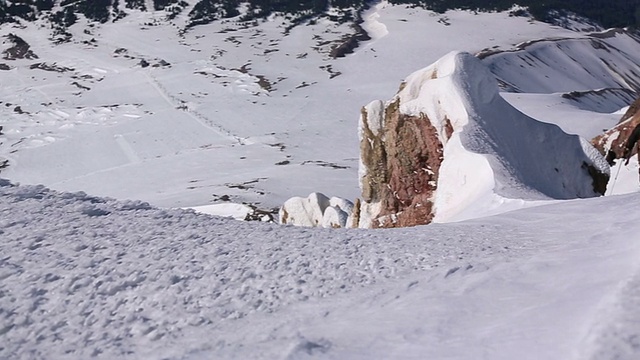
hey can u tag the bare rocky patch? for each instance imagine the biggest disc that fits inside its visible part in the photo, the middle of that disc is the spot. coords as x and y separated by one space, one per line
612 143
280 146
305 84
51 67
80 86
350 42
221 72
329 69
20 49
324 164
247 185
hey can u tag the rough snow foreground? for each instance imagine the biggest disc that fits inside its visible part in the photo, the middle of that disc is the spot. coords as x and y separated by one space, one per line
82 276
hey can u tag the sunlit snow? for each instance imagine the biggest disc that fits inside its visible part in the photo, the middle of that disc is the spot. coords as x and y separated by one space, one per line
231 116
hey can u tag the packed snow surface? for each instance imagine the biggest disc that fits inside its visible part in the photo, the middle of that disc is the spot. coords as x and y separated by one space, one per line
84 276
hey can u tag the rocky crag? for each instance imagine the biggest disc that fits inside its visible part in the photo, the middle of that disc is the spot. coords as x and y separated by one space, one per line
613 142
448 147
448 142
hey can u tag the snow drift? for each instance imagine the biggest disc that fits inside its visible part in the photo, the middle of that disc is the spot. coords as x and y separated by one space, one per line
317 210
447 145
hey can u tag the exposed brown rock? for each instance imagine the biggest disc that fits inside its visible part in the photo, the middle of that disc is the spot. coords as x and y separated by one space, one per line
448 128
402 161
284 217
612 143
355 215
350 42
633 109
374 157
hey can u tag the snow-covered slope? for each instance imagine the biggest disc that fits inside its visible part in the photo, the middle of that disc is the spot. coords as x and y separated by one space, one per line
250 112
604 60
576 82
83 276
492 156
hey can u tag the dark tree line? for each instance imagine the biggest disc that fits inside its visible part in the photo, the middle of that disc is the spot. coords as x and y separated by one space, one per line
608 13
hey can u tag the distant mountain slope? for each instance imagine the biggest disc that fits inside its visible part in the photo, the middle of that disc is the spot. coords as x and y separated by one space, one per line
601 60
618 13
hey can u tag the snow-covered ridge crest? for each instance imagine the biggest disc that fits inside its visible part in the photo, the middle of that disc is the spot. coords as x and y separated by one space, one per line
600 60
460 77
448 147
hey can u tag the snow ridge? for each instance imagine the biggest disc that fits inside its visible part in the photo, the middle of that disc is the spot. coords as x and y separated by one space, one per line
605 60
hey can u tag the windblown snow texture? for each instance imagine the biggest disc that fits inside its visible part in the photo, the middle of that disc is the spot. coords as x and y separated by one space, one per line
83 276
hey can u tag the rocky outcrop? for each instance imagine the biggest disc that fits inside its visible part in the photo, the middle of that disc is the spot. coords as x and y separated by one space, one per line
403 155
350 42
613 142
19 50
448 147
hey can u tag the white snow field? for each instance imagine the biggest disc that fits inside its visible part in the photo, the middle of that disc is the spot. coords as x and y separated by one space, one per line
258 113
83 277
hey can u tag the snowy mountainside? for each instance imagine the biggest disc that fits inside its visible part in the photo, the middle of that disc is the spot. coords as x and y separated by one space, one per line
576 83
85 276
252 112
602 60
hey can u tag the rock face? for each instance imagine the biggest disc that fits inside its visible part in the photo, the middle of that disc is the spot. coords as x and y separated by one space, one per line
612 143
402 155
448 144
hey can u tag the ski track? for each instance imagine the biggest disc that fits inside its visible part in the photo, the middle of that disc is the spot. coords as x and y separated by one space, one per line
172 101
127 149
